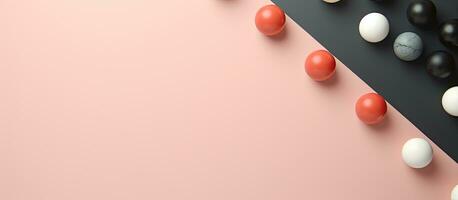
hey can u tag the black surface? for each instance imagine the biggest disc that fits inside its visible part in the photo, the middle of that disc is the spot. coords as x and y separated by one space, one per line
406 85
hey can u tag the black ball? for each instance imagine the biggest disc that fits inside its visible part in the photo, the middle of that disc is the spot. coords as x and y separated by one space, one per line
422 13
440 64
448 33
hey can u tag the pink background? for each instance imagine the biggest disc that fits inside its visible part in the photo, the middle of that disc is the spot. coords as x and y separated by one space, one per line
175 100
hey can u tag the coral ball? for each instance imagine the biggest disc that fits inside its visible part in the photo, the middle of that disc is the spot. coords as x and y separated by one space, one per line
417 153
270 20
371 108
320 65
450 101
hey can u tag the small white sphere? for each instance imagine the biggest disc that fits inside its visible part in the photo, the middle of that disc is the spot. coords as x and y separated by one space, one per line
331 1
374 27
417 153
455 193
450 101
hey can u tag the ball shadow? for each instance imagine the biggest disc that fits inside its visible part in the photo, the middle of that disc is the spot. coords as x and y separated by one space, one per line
331 82
384 126
429 172
279 37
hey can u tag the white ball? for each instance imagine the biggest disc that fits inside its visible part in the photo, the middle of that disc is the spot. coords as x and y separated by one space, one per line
374 27
450 101
455 193
417 153
331 1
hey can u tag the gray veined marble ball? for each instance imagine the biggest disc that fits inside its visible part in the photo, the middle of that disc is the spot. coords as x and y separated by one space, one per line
408 46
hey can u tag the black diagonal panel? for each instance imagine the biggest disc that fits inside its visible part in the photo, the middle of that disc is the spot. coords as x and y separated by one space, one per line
406 85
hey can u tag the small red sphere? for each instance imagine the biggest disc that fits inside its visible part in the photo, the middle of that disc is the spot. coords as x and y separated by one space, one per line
320 65
270 20
371 108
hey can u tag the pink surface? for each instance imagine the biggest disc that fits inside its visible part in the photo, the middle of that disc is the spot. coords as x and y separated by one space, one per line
177 100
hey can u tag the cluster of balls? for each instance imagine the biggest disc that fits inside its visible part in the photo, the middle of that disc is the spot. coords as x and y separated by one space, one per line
370 108
408 46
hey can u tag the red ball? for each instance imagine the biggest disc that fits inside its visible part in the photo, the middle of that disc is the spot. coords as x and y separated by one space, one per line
371 108
270 20
320 65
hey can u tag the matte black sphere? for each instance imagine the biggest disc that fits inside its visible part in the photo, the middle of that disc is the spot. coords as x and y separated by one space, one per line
448 33
422 13
440 64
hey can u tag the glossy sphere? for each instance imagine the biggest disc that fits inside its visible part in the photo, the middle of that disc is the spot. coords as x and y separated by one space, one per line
440 64
448 33
331 1
374 27
455 193
371 108
422 13
270 20
417 153
450 101
320 65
